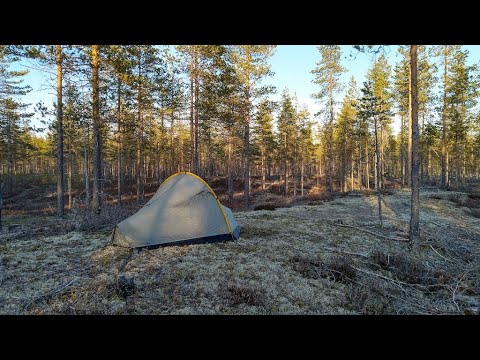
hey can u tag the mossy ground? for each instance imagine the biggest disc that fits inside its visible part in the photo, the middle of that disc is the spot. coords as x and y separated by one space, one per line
260 273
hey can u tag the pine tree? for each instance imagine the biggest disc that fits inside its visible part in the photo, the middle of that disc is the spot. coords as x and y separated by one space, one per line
97 129
251 66
445 53
346 134
402 96
327 75
462 94
13 114
263 135
379 75
287 127
371 109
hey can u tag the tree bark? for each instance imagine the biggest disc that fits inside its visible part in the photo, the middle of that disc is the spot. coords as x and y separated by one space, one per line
97 135
86 180
302 174
172 149
263 167
285 166
409 154
377 173
246 169
197 91
1 202
192 132
367 165
70 169
230 175
414 219
402 148
444 181
140 170
119 143
330 141
60 177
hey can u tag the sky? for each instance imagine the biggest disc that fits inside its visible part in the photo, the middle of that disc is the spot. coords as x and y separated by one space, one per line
291 65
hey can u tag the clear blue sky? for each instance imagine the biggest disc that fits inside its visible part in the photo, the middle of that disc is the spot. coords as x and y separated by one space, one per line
290 63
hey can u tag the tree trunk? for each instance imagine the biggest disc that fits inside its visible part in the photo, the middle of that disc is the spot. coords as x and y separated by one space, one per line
367 165
263 167
345 166
285 167
197 91
444 180
1 202
352 179
381 157
377 173
246 169
301 177
294 177
409 154
97 135
429 161
140 170
172 150
70 166
60 181
402 149
192 133
414 219
86 180
230 176
119 143
330 142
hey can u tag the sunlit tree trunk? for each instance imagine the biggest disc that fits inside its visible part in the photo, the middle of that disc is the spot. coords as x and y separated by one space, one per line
197 104
263 167
70 169
302 175
402 149
86 180
377 172
1 202
285 166
409 154
140 169
246 169
119 144
60 183
414 219
97 134
367 165
230 175
330 140
444 175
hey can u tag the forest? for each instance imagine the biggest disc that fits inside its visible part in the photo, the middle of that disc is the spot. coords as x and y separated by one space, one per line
399 210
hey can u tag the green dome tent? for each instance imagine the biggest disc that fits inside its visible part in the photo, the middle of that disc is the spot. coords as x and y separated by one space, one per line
184 210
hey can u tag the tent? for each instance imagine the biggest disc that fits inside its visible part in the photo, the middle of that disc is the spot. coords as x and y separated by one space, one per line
184 210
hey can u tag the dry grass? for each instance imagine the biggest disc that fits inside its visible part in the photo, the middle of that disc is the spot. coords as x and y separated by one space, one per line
337 268
289 261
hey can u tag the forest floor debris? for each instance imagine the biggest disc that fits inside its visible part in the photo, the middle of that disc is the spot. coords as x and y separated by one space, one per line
293 260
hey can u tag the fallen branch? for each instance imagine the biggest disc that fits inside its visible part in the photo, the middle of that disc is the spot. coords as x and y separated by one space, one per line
353 227
371 232
456 288
50 294
443 257
349 252
398 282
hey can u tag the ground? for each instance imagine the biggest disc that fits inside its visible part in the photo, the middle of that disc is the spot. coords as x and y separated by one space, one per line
318 257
